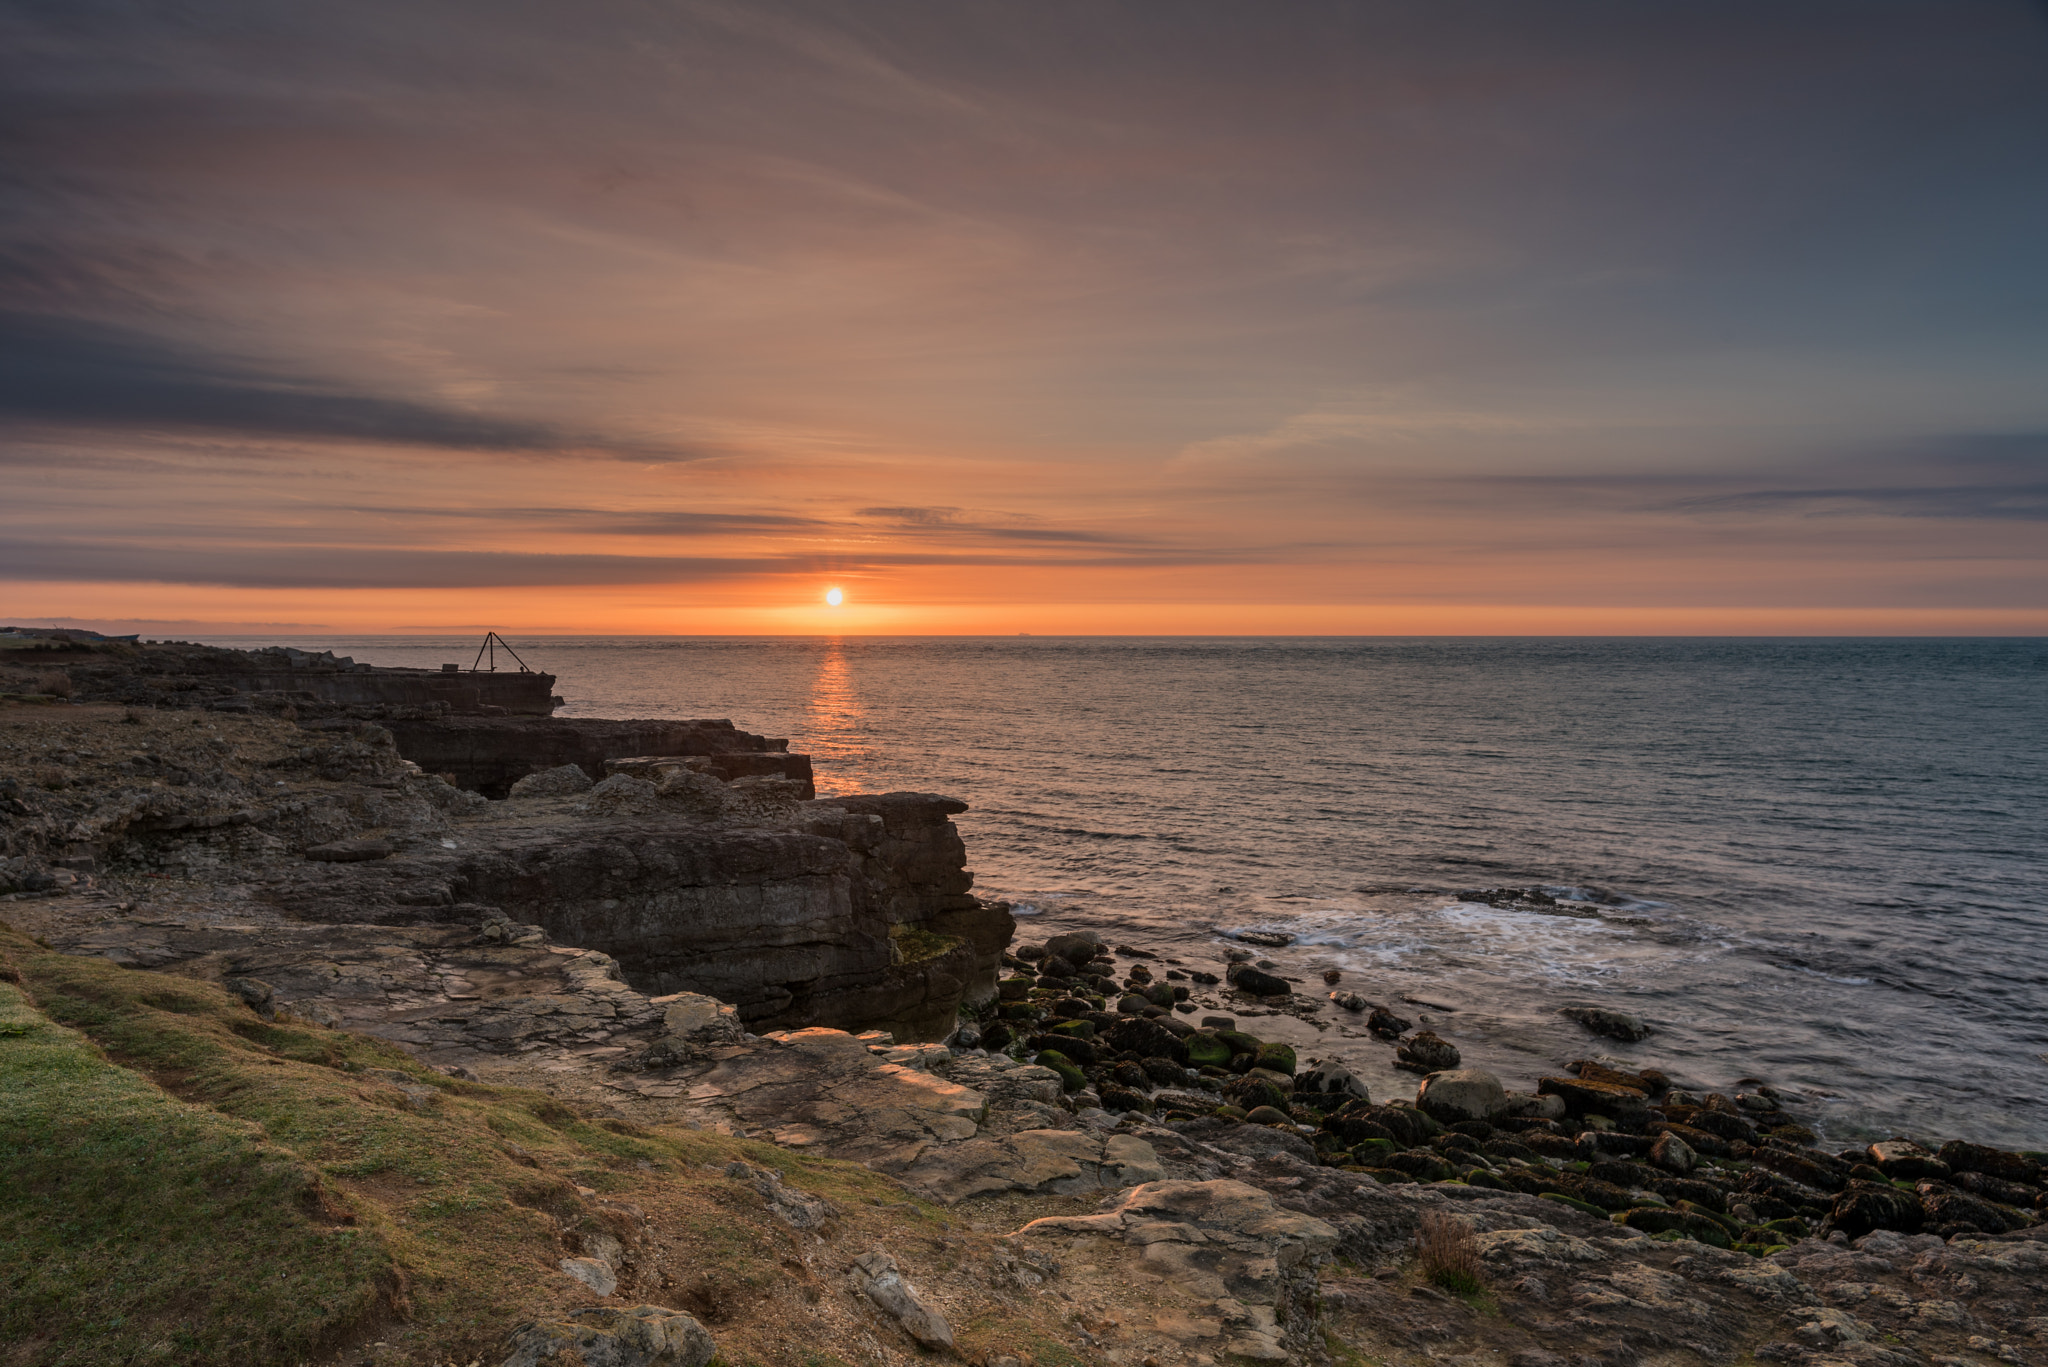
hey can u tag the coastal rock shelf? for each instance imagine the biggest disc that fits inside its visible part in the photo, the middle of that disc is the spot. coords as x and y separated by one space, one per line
851 913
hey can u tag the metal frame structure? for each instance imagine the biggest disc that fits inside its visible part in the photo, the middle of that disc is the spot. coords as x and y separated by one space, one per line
492 640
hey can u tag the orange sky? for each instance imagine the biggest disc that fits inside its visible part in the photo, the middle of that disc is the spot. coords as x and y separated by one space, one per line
1094 319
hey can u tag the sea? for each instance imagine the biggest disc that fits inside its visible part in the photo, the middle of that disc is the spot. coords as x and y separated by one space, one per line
1816 864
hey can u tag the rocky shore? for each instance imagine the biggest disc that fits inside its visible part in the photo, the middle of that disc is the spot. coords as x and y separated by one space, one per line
678 1060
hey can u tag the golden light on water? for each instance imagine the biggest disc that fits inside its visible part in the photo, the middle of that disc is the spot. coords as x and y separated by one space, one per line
834 597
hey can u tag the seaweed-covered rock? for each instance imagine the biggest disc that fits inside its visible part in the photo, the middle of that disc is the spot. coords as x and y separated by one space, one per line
1867 1205
2012 1167
1278 1058
1907 1161
1072 1079
1626 1107
1253 1092
1205 1050
1145 1038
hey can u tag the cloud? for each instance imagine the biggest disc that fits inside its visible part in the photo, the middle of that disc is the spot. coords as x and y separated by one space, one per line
611 521
2023 502
355 567
74 372
956 520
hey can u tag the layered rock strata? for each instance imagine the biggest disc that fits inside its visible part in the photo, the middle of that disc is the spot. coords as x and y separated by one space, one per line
489 754
854 913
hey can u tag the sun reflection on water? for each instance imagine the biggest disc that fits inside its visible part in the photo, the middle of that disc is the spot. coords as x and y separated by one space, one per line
833 718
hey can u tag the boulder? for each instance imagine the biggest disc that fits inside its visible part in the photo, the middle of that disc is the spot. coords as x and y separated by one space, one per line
1427 1053
621 795
1612 1024
1907 1161
876 1276
1535 1106
1328 1078
1077 947
1625 1106
692 1023
1258 982
1385 1022
1673 1154
1277 1058
645 1336
567 780
1462 1094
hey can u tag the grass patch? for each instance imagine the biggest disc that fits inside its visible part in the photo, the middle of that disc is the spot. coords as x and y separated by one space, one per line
917 946
138 1228
181 1182
1449 1254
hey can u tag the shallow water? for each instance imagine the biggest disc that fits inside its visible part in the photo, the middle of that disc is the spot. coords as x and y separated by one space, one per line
1821 860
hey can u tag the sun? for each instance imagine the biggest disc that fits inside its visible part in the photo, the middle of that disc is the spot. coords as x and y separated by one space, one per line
834 597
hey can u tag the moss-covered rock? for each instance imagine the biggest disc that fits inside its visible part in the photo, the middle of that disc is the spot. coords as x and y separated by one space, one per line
1072 1079
1277 1057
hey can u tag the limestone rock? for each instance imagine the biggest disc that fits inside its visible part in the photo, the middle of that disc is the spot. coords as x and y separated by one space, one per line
620 795
566 780
1540 1244
822 1091
1246 1263
1462 1094
797 1209
593 1273
877 1277
645 1336
1061 1162
692 1023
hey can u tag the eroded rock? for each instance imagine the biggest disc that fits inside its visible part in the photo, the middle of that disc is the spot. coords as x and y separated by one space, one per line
1235 1271
645 1336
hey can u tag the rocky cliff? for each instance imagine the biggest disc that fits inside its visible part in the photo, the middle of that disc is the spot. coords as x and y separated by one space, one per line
854 913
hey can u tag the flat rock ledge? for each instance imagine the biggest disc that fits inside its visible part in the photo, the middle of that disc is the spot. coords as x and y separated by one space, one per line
1231 1271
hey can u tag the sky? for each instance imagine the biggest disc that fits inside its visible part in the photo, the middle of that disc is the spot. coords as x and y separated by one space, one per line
1070 316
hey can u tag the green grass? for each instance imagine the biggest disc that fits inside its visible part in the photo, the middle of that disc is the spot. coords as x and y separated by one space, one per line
181 1182
135 1227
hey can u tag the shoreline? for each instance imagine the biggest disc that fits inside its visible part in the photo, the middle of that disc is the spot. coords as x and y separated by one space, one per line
1115 1096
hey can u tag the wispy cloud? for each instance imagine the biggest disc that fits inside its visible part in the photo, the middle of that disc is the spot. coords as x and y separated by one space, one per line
77 373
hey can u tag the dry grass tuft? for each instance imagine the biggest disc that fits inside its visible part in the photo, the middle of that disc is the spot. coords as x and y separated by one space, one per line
55 683
1449 1253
